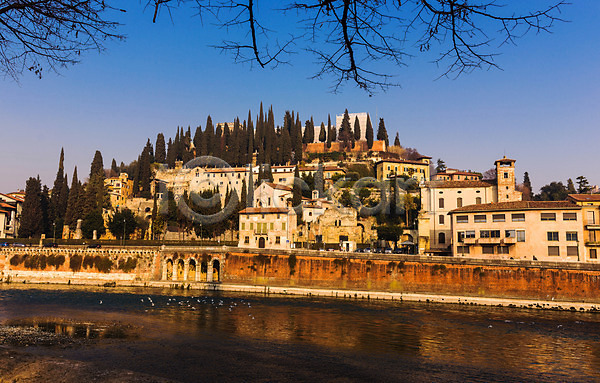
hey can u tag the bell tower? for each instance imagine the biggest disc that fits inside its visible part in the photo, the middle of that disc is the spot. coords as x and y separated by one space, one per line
505 178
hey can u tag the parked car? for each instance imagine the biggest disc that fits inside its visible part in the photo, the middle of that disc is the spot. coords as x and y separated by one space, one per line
4 244
94 246
388 250
52 244
18 245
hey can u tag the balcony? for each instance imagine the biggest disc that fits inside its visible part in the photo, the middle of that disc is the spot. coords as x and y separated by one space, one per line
509 240
489 241
470 241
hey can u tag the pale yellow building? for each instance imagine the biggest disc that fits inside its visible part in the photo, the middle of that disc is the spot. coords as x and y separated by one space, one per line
390 168
440 197
590 206
456 175
267 227
119 189
533 230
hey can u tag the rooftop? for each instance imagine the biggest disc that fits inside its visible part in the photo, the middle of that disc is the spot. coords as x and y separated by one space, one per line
462 184
264 210
518 205
404 161
585 197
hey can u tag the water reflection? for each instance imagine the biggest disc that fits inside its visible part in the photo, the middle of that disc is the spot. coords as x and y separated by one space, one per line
561 345
76 330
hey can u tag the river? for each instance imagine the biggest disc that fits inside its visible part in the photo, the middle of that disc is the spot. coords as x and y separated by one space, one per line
192 336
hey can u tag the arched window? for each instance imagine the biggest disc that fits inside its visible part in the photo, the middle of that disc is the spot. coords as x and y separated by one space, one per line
478 200
442 238
441 203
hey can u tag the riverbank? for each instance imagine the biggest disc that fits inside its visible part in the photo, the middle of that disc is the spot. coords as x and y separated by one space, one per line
324 293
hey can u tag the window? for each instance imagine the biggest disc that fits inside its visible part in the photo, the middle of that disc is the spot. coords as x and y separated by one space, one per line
479 218
487 249
441 203
459 202
592 235
569 216
251 225
277 240
498 218
441 238
246 240
282 225
462 219
461 236
553 236
572 251
553 251
520 235
593 254
571 236
495 233
441 219
502 249
272 226
505 175
484 234
590 218
470 234
462 249
548 216
478 200
510 234
518 217
243 225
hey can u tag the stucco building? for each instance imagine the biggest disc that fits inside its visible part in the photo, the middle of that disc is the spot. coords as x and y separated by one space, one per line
267 227
532 230
438 198
390 168
590 210
119 188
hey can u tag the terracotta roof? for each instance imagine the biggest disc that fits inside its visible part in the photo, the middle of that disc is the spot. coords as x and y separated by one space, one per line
403 162
11 197
325 168
4 211
5 205
278 186
585 197
518 205
264 210
504 159
461 184
458 172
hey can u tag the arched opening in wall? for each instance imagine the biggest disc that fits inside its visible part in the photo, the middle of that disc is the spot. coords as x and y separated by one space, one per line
261 242
169 269
216 270
203 271
442 238
192 270
180 267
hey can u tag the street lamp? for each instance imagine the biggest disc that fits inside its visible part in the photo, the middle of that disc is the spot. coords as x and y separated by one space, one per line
54 235
123 232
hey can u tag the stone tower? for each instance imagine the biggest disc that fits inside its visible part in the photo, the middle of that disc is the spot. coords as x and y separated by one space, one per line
505 177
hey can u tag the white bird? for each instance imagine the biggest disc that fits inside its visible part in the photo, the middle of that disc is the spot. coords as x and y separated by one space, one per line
100 302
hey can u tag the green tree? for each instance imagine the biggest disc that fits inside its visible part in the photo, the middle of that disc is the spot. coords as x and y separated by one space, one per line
123 221
554 191
160 154
382 133
73 211
96 194
31 224
571 187
322 133
93 221
309 131
441 166
397 140
583 186
345 134
357 132
389 233
369 132
527 189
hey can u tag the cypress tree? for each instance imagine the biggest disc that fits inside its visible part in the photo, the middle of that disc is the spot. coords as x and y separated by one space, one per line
96 194
309 131
528 192
356 129
218 142
46 211
297 195
55 210
198 142
144 173
397 140
369 132
250 135
297 140
209 136
345 134
570 185
150 150
73 212
31 223
114 169
160 155
322 133
250 192
382 133
170 154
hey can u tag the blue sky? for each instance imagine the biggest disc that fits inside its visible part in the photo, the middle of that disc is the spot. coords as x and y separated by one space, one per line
541 109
